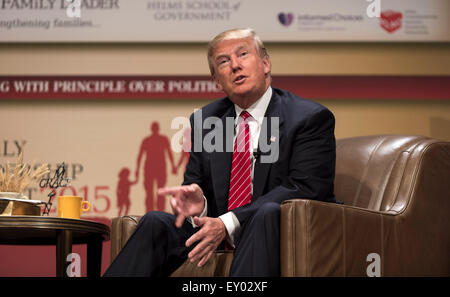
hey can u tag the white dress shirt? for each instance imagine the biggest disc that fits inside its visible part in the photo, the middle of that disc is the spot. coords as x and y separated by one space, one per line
257 111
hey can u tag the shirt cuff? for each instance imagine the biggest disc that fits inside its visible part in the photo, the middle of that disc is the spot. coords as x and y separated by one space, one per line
204 212
232 225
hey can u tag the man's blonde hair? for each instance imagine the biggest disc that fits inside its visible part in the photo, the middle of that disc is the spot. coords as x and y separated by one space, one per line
234 34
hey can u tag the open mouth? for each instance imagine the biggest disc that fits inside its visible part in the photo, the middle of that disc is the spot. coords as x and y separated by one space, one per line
239 79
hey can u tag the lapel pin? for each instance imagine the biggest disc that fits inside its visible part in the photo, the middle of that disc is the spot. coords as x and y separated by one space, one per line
272 138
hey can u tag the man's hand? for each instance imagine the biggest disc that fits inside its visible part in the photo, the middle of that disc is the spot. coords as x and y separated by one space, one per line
186 201
211 234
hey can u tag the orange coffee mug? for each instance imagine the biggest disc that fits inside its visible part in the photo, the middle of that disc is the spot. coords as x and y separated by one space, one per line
71 207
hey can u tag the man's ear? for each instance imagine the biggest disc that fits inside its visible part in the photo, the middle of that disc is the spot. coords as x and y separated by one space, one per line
218 85
267 65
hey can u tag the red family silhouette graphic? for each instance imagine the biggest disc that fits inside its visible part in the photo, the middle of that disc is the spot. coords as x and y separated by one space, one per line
155 149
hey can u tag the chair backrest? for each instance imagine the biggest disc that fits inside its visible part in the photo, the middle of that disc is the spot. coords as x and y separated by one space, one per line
378 172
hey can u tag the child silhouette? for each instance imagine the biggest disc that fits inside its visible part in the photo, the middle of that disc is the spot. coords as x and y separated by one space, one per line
123 191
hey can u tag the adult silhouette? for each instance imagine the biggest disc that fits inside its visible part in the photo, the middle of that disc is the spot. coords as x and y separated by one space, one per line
155 148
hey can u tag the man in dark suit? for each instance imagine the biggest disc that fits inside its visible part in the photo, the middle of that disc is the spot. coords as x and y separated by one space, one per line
280 147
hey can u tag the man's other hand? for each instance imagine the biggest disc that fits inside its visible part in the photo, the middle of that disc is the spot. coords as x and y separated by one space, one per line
212 232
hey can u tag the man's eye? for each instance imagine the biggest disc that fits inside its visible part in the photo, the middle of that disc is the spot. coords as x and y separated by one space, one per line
244 53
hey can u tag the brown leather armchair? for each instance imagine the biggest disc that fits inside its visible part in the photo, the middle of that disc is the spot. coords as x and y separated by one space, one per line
396 194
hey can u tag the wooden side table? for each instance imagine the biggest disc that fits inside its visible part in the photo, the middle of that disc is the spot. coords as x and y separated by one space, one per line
40 230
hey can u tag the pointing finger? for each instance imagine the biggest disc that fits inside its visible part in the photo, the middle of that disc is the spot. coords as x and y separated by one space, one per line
170 191
179 220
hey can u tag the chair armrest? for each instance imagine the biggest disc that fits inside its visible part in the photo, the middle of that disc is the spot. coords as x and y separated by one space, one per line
327 239
121 230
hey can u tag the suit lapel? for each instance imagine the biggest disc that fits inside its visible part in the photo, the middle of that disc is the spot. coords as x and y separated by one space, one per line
221 161
271 132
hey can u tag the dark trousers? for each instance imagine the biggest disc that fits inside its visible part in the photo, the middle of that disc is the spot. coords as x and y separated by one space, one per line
157 247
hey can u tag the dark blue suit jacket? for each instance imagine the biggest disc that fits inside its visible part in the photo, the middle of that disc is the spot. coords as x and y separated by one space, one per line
304 167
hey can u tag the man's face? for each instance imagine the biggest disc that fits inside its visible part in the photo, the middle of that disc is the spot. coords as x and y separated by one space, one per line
240 71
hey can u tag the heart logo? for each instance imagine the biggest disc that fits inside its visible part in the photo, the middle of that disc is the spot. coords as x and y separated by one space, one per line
391 20
285 18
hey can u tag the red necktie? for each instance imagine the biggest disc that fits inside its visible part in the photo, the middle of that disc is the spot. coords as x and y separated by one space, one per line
241 180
